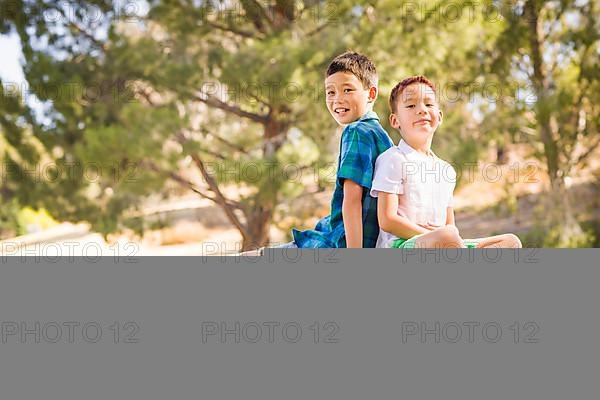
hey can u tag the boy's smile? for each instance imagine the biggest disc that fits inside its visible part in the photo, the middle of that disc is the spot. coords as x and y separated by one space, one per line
346 98
422 121
341 111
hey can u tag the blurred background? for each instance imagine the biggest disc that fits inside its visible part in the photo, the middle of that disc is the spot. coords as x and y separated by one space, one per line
199 127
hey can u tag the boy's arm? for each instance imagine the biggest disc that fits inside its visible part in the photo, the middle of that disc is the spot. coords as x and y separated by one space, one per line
352 214
450 216
390 221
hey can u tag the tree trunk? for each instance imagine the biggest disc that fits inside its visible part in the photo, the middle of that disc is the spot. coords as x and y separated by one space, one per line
560 212
258 218
257 230
561 215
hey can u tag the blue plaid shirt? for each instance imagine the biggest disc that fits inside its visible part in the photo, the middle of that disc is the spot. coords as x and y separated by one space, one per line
362 142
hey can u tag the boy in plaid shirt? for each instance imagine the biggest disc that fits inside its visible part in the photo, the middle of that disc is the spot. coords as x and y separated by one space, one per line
351 90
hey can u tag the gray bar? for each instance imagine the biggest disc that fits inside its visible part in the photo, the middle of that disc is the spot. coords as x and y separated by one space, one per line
311 324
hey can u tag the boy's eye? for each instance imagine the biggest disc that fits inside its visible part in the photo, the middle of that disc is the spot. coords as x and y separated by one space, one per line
347 90
410 106
429 105
330 93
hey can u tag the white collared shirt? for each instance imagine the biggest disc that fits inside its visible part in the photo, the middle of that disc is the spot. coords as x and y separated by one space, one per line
424 185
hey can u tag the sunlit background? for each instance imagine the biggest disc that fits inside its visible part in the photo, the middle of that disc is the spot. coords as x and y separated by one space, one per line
189 128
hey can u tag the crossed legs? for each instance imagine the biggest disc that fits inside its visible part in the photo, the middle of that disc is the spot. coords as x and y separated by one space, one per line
448 236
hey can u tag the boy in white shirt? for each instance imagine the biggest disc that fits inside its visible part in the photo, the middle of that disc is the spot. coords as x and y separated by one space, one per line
414 186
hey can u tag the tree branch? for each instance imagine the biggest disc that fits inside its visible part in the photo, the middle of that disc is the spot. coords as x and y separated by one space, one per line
212 101
574 120
182 139
256 14
231 29
589 151
80 30
283 13
228 143
318 29
188 184
259 100
220 199
214 154
146 96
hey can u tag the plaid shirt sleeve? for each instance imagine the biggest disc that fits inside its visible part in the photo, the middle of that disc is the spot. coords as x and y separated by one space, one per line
356 158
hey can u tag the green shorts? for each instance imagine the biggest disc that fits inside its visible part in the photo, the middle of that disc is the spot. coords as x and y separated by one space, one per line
411 243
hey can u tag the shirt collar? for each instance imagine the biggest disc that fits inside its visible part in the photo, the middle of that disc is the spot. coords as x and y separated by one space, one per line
402 145
369 115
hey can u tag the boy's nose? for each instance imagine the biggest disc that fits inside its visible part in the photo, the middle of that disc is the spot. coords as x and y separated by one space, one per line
421 109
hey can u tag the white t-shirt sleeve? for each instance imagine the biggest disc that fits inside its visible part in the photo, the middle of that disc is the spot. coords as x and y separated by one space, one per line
389 176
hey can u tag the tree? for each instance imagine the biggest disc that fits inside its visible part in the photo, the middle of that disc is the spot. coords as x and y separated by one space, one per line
222 98
440 39
549 52
148 93
249 70
17 146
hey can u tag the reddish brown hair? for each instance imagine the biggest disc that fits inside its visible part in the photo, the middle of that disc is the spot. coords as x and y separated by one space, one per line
399 88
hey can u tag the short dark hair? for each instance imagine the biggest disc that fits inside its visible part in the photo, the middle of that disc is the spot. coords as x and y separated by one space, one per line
356 64
399 88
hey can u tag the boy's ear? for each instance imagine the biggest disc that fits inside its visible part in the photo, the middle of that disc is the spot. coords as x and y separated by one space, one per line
441 117
394 121
372 94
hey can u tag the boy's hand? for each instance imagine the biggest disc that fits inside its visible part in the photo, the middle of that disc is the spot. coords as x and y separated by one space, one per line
430 227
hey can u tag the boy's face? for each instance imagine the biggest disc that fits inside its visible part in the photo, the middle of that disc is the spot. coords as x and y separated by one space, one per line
347 100
417 115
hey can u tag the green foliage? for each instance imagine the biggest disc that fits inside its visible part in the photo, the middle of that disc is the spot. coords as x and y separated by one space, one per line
509 203
545 237
9 220
238 86
30 219
16 221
